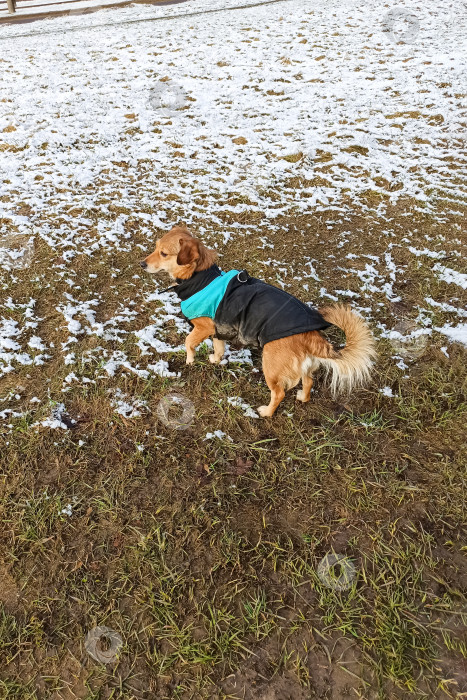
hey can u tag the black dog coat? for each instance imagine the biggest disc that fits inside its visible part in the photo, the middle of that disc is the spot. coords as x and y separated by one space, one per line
245 310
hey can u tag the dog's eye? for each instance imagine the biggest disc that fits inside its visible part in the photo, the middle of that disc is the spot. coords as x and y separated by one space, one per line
164 255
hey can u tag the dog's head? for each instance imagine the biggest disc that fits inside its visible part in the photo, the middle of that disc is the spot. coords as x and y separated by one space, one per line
179 254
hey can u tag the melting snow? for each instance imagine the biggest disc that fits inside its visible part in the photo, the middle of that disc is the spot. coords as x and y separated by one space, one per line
238 402
451 276
218 434
170 117
126 406
457 334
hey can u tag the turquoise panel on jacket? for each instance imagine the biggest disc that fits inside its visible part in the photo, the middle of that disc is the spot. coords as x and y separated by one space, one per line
206 301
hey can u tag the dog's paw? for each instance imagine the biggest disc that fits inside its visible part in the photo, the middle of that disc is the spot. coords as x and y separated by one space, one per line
264 411
190 360
302 397
213 359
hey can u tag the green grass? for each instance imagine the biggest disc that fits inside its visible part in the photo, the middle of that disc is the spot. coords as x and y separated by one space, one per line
203 554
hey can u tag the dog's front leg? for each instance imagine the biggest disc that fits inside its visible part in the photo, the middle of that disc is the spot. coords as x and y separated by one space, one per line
219 349
192 341
203 327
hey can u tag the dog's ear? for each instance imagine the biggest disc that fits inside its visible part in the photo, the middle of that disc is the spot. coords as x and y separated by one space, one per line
189 251
184 229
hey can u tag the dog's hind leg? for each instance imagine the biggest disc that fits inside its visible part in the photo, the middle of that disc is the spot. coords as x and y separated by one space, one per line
308 367
304 393
285 361
277 373
277 394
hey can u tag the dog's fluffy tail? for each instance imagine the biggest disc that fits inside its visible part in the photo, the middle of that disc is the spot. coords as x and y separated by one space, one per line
351 365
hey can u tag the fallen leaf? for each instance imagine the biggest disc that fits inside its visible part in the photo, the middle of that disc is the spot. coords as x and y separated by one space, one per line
241 465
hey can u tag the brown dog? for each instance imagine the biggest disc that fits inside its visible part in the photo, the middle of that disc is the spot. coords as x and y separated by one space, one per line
286 359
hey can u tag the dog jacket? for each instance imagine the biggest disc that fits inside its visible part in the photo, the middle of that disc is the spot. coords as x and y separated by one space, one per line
244 309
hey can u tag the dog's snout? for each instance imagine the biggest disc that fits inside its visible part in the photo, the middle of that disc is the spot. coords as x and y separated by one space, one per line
143 264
